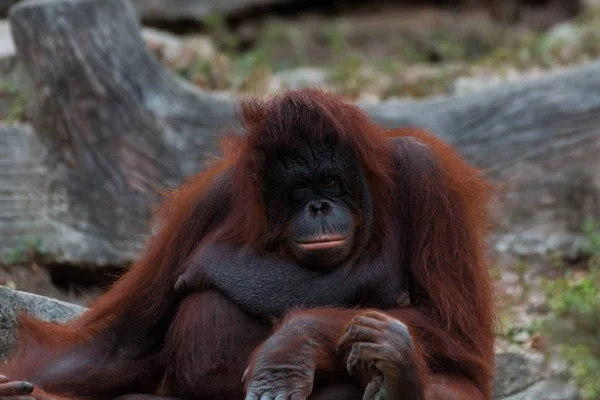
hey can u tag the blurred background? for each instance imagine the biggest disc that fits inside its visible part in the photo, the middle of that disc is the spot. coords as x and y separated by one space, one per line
522 75
367 50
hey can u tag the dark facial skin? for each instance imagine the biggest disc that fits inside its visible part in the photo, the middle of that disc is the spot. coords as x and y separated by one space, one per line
313 189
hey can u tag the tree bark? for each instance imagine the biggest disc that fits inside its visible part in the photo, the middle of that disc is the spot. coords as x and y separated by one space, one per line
111 126
539 140
115 125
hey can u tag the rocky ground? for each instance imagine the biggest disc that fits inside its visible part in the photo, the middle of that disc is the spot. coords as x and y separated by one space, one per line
373 56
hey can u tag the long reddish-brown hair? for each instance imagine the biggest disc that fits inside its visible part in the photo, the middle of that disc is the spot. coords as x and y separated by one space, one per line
279 122
445 228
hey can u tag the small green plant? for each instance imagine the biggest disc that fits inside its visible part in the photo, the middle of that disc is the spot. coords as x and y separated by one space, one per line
8 87
584 369
573 321
336 42
578 299
591 229
495 272
250 72
216 26
352 75
298 46
280 46
18 110
521 268
25 250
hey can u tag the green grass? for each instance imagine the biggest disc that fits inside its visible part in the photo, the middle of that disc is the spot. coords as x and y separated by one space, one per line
573 321
445 52
25 250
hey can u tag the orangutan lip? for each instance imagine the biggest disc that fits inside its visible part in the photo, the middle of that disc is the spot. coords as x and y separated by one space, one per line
326 243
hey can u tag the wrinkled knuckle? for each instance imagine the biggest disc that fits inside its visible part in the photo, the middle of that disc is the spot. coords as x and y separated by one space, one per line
388 352
302 320
373 313
298 324
402 333
252 389
399 328
362 320
376 314
270 345
353 331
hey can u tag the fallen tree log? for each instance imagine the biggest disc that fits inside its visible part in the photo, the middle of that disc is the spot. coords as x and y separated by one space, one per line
539 140
111 126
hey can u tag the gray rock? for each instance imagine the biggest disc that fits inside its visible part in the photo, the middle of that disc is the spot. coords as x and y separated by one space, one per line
565 33
12 302
514 373
547 390
299 78
7 46
519 377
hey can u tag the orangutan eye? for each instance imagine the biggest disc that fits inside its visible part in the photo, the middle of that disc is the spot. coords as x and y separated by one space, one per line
328 181
300 186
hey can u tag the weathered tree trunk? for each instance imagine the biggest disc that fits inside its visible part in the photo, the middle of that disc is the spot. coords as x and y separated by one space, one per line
540 140
114 125
111 126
